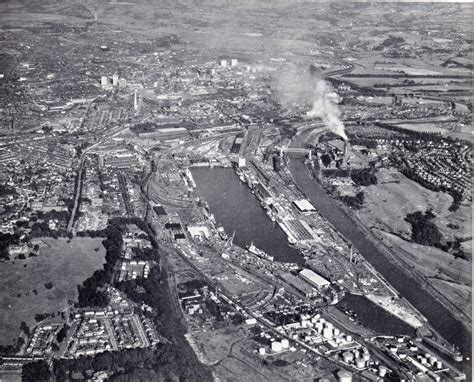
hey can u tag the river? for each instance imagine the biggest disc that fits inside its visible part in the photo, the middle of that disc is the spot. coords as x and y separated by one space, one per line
236 208
440 317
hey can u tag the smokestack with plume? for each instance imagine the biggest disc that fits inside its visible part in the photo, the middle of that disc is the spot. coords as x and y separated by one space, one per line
325 107
310 89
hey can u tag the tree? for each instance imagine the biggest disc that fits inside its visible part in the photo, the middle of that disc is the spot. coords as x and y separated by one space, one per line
423 230
35 372
356 202
24 327
364 177
61 334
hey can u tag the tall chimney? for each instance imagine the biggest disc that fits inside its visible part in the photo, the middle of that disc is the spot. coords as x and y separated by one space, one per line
344 158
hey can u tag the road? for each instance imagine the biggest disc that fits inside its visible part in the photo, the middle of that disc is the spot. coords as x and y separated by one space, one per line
111 333
138 325
78 191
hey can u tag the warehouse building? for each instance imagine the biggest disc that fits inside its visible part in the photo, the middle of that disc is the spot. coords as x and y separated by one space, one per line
304 205
314 279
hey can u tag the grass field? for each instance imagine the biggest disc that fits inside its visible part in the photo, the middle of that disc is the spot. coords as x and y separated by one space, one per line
386 206
388 202
62 263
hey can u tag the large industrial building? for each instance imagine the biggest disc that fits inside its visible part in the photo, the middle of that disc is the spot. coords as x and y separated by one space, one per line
304 205
314 279
166 133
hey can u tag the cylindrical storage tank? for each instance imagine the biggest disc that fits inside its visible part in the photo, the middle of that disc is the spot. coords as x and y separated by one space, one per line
439 364
356 353
327 333
347 356
423 361
433 360
329 325
382 371
261 351
317 316
360 363
285 344
344 376
349 338
393 349
322 320
336 331
366 356
276 347
413 348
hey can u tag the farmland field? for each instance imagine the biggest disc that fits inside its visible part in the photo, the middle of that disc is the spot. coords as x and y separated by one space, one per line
61 262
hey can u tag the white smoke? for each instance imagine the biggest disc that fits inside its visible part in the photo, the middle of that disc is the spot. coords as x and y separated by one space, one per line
303 89
325 106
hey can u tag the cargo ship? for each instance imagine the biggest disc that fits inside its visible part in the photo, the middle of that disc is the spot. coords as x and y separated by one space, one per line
258 252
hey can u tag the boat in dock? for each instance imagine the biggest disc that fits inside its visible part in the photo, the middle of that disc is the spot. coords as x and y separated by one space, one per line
258 252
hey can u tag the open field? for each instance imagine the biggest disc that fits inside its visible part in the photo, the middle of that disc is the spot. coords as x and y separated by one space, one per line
451 277
395 196
62 263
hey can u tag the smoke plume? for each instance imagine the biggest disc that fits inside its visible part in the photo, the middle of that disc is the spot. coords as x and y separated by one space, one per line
303 89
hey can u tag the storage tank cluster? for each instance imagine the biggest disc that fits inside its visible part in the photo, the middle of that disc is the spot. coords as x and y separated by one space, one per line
328 331
279 346
359 358
430 360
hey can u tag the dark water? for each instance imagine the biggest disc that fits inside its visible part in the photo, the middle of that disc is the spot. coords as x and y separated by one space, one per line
374 317
236 208
440 317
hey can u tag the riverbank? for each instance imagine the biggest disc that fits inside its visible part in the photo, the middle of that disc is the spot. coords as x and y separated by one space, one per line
437 314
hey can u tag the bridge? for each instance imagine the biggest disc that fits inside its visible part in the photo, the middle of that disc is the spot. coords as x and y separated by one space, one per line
294 150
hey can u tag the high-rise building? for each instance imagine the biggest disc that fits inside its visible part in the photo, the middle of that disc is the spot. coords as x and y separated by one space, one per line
223 63
234 62
115 79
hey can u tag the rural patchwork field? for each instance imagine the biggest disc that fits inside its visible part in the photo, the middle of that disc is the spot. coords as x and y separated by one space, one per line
63 263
